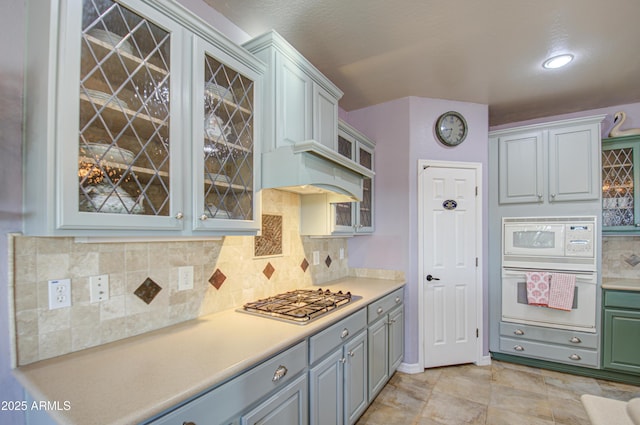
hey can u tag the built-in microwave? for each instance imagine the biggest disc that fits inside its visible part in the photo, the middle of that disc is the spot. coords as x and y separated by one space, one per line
559 242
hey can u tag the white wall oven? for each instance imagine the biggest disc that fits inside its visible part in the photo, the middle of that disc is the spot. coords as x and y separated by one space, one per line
550 246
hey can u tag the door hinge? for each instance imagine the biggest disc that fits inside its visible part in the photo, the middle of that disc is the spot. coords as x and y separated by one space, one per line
476 190
476 261
477 333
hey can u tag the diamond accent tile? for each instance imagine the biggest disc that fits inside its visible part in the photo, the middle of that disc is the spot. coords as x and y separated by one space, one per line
327 261
217 279
633 260
268 271
148 290
304 265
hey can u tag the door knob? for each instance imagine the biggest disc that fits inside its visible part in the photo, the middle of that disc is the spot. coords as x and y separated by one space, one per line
430 278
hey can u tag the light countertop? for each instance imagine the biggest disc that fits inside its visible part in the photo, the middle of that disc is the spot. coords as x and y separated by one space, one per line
621 284
129 381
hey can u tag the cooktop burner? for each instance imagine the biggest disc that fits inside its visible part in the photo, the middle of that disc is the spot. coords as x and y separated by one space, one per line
300 306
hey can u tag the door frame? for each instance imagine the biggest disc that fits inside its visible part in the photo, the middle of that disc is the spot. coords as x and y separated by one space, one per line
423 164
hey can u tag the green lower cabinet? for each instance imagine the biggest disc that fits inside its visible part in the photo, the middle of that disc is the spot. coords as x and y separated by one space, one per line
622 340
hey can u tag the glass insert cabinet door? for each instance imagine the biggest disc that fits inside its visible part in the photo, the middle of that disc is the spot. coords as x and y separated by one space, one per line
125 131
224 148
620 174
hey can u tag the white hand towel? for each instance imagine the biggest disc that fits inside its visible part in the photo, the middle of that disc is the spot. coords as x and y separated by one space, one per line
562 287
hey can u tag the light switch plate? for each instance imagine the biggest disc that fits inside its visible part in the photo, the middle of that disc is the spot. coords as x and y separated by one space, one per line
99 288
316 258
185 278
59 293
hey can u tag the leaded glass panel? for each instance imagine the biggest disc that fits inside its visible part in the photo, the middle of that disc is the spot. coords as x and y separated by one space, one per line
617 187
228 142
124 146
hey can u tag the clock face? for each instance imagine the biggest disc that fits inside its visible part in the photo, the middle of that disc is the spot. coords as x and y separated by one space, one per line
451 128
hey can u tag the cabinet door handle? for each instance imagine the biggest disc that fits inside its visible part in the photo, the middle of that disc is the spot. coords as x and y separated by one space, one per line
518 332
380 310
343 360
553 195
180 216
203 217
575 357
351 354
575 340
281 371
344 333
518 347
398 300
539 195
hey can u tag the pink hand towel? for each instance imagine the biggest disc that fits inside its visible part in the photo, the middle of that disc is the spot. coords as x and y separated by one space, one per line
538 288
561 291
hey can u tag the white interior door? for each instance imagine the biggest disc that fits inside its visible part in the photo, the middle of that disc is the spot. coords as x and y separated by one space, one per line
449 240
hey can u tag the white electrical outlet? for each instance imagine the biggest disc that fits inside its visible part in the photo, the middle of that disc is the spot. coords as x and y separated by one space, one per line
185 278
59 293
342 253
99 288
316 258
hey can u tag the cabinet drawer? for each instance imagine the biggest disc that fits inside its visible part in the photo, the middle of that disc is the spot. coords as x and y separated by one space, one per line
558 353
381 307
325 341
623 299
554 336
225 401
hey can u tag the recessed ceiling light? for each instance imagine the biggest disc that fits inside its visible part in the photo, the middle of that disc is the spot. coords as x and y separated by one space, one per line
557 61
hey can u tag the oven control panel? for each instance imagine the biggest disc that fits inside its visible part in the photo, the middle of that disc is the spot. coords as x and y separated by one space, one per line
579 239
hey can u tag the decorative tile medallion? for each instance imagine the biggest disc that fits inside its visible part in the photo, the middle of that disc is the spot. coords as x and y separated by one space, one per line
304 265
270 242
217 279
148 290
268 271
327 261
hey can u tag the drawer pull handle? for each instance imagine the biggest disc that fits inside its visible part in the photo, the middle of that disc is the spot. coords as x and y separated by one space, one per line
518 348
575 357
281 371
397 300
343 360
344 333
575 340
380 310
518 332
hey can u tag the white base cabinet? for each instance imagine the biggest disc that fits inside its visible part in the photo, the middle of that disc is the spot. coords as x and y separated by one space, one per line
385 340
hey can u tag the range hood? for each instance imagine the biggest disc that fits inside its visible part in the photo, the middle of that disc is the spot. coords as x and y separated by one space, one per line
310 167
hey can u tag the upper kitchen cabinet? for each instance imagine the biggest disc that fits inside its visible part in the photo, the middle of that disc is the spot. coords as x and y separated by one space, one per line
302 102
140 121
620 173
549 162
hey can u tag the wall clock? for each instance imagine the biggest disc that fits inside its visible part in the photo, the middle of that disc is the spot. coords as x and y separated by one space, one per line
451 128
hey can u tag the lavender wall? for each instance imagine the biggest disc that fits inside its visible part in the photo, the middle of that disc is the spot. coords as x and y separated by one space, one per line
403 132
11 79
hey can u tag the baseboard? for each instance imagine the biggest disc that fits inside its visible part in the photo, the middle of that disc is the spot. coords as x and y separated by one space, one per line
411 368
484 361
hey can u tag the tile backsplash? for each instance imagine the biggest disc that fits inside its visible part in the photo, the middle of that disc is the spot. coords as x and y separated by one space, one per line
226 275
621 257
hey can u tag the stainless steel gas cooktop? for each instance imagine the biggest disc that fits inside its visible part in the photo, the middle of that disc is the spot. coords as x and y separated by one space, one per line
299 306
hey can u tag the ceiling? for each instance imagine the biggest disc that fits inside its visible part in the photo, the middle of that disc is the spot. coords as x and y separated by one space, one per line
487 52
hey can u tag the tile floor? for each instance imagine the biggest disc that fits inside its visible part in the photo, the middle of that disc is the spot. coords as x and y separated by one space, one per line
500 394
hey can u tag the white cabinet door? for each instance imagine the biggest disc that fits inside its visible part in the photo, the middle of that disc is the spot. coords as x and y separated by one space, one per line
293 103
326 387
396 338
288 406
574 163
325 117
521 167
355 378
